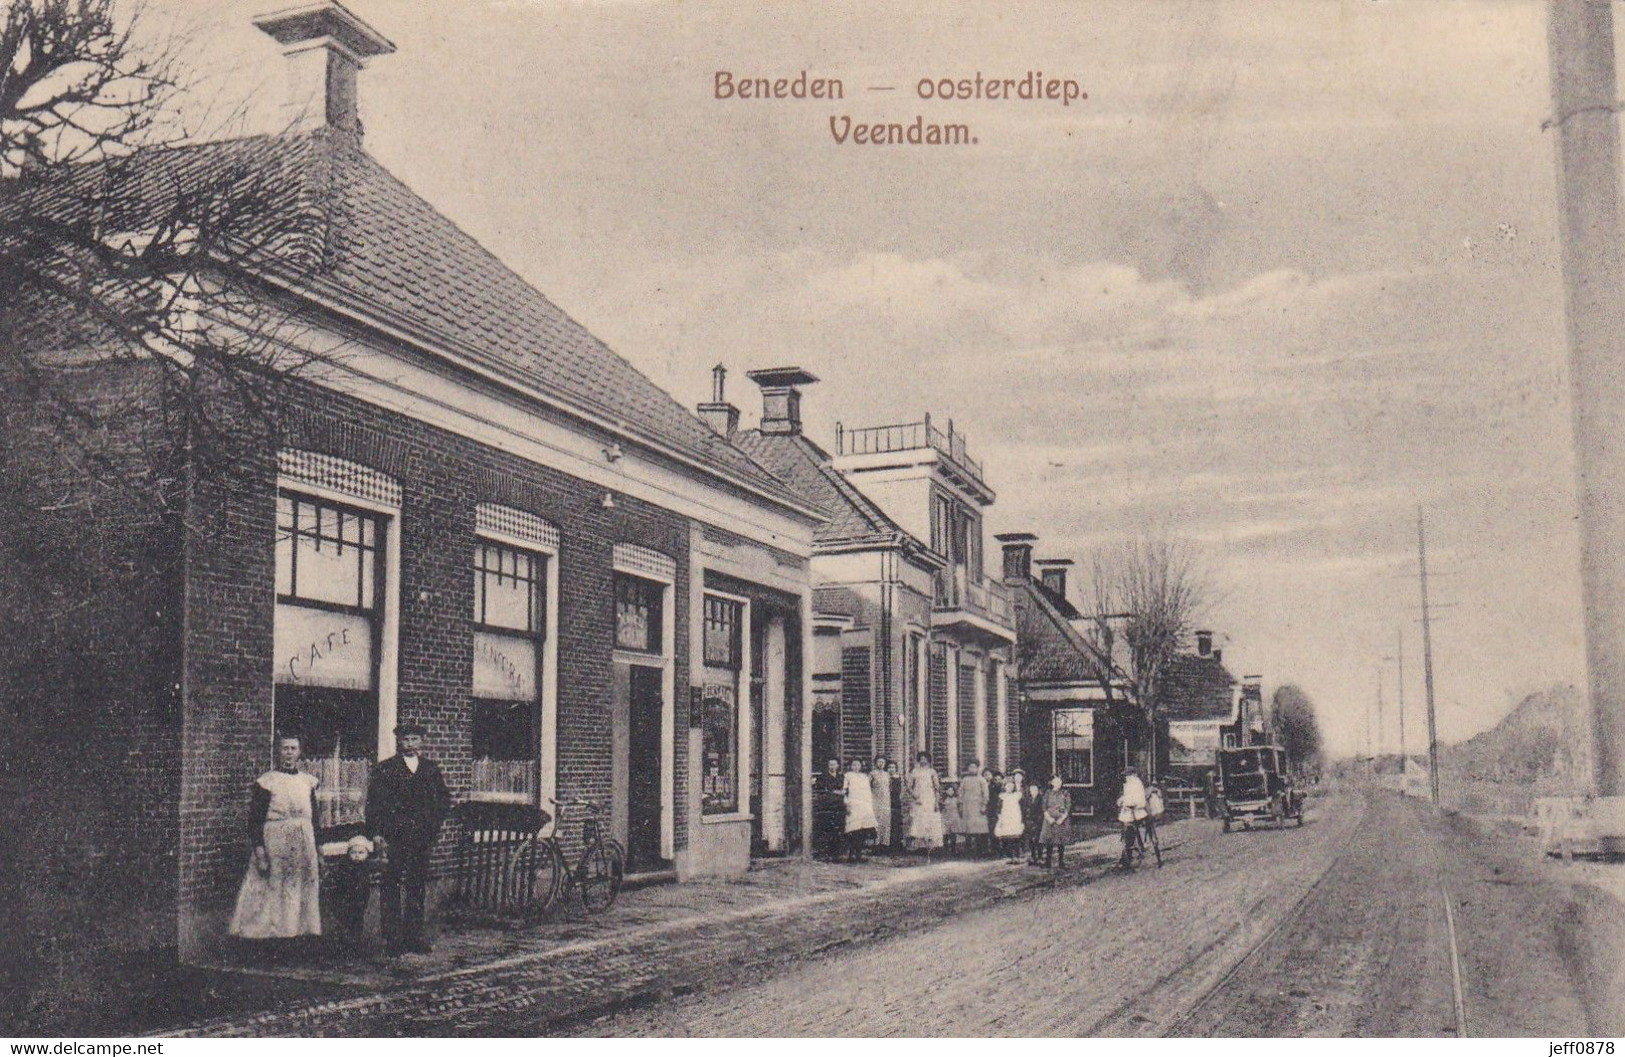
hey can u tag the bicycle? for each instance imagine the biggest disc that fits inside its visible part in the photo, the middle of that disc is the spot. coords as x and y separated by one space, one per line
598 874
1137 837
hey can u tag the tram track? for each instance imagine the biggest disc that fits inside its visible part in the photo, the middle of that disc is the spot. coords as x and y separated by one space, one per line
1337 929
1169 990
1365 950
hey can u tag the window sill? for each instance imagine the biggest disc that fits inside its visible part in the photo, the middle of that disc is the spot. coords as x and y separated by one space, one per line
735 816
501 798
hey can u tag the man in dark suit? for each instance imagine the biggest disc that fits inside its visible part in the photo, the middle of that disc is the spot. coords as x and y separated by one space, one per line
407 800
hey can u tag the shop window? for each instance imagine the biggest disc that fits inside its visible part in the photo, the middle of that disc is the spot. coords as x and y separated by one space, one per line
637 614
329 576
509 632
1073 731
719 740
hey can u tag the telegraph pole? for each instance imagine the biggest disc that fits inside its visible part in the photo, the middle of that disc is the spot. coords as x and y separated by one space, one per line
1584 115
1427 658
1399 633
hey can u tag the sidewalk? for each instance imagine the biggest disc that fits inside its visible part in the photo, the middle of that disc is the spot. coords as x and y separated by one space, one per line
654 943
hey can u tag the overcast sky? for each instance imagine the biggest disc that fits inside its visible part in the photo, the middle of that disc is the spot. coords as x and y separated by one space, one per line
1289 273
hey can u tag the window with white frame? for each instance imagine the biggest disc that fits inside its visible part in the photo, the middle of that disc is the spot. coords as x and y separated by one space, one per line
326 634
510 632
723 654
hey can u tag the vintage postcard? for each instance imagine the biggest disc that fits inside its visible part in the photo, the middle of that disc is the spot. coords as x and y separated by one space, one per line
660 518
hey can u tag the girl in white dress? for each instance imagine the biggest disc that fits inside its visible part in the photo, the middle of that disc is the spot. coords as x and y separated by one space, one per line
279 896
1010 825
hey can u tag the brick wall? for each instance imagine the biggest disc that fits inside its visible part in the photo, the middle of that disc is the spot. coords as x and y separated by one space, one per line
89 585
442 478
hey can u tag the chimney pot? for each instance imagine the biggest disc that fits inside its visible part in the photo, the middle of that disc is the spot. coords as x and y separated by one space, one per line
1018 554
1204 643
326 46
1052 574
721 416
781 397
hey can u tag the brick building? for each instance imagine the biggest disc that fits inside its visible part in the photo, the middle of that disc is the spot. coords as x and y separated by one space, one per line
912 640
475 516
1069 726
1208 708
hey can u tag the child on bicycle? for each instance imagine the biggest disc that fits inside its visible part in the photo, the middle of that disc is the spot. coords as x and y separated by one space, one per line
1131 809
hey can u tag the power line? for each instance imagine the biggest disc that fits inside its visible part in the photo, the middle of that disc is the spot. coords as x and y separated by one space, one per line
1427 657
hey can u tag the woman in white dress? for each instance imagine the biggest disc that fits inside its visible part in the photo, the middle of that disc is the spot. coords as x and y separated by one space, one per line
860 810
880 790
279 896
924 791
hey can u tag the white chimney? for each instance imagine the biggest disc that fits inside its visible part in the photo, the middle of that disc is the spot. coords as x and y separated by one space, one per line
325 46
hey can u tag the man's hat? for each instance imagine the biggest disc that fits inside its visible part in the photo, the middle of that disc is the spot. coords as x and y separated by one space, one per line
403 729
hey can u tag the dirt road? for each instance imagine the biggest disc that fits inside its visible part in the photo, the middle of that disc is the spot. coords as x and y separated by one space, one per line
1337 928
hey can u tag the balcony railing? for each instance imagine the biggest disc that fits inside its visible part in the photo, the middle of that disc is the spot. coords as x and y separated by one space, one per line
907 436
984 598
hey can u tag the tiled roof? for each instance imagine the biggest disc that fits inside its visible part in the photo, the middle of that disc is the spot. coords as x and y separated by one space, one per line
1050 649
1197 688
852 517
368 243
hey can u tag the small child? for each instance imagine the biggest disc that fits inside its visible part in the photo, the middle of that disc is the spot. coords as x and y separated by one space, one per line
1010 825
950 817
990 823
1035 823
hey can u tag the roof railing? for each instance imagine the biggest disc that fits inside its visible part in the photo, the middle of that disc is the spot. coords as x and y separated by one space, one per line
907 436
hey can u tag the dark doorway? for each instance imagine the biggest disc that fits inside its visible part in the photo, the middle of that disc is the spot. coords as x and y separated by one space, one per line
826 735
643 769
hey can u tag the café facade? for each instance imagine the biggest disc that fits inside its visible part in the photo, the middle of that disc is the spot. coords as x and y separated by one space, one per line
475 517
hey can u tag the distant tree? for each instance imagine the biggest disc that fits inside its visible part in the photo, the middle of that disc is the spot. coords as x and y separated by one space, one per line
1292 718
1149 594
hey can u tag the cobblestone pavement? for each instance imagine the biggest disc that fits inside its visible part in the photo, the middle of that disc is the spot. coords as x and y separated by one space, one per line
653 944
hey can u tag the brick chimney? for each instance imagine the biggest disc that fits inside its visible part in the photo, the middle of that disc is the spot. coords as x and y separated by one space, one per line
1052 573
781 397
720 415
1204 643
1018 554
326 46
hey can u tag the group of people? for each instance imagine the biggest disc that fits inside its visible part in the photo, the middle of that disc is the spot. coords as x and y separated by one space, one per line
986 813
281 894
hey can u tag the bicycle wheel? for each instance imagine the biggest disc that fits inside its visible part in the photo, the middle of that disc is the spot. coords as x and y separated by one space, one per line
599 876
547 872
1156 846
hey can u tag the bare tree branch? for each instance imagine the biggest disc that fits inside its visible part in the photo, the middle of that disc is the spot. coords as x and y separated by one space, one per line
1149 593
